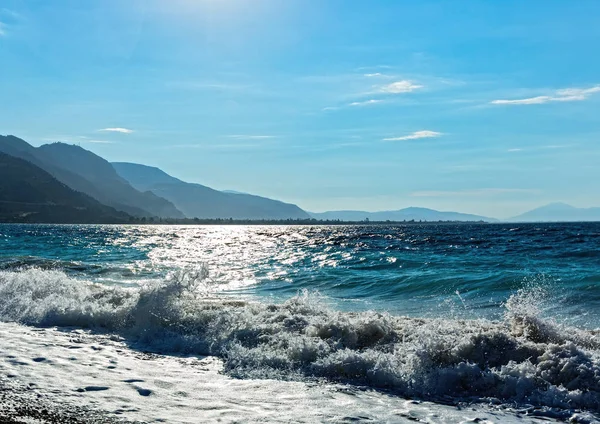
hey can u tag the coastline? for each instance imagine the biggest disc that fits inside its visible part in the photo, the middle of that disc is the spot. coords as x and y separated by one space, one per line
87 378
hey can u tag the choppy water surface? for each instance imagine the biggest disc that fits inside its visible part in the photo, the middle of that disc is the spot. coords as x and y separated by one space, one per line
423 270
498 314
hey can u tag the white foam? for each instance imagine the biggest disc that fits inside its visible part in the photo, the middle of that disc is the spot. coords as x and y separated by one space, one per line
521 360
66 368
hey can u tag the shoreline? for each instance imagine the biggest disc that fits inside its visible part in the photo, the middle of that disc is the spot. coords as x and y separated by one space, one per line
87 378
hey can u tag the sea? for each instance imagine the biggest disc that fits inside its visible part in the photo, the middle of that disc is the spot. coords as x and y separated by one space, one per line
431 322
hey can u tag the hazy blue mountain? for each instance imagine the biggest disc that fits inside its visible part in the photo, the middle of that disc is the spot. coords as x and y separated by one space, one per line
407 214
558 212
198 201
30 194
19 148
88 173
233 192
115 191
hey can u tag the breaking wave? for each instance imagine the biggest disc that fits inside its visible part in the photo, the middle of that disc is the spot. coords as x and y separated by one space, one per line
521 359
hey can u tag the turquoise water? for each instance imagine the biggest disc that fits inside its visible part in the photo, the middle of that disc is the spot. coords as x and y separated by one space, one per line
418 270
500 314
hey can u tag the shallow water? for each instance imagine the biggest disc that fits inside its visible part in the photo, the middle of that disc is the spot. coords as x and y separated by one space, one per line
500 314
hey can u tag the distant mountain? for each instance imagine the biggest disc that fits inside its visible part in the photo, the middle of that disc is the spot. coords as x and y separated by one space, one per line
558 212
233 192
30 194
198 201
88 173
407 214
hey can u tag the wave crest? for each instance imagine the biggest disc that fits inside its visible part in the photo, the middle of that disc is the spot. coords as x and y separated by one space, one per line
523 359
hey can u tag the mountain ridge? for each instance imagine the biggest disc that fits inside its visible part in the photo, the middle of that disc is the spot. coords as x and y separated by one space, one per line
199 201
558 212
71 164
30 194
405 214
147 191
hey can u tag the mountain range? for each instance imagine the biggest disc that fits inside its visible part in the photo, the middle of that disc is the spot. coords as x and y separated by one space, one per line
59 182
88 173
198 201
407 214
30 194
558 212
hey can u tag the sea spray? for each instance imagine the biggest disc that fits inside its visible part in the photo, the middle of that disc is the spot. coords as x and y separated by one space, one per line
523 358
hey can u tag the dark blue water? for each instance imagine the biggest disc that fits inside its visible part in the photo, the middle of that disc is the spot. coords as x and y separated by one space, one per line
418 270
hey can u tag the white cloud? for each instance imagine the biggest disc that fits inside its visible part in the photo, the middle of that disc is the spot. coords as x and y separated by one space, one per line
2 31
415 135
474 192
376 74
117 129
399 87
529 101
578 92
515 150
353 104
365 103
562 95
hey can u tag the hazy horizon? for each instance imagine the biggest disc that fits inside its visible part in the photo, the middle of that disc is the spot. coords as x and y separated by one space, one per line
485 108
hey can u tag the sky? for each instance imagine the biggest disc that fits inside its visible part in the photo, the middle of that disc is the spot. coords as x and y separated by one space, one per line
473 106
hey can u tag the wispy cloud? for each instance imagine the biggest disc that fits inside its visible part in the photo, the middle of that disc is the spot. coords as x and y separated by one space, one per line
98 141
398 87
373 67
250 137
9 13
118 130
473 193
415 135
370 102
8 18
207 85
366 103
85 139
226 146
563 95
538 148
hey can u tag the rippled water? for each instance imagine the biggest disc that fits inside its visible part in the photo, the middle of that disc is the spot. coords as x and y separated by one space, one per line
505 315
419 270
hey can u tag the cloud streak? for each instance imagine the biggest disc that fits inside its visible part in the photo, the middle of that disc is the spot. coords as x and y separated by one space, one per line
415 135
98 141
8 19
399 87
117 130
250 137
563 95
473 193
366 103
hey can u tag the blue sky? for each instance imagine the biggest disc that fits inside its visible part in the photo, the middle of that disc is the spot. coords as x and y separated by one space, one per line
475 106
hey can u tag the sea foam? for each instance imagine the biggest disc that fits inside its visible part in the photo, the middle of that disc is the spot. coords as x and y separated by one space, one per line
521 359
